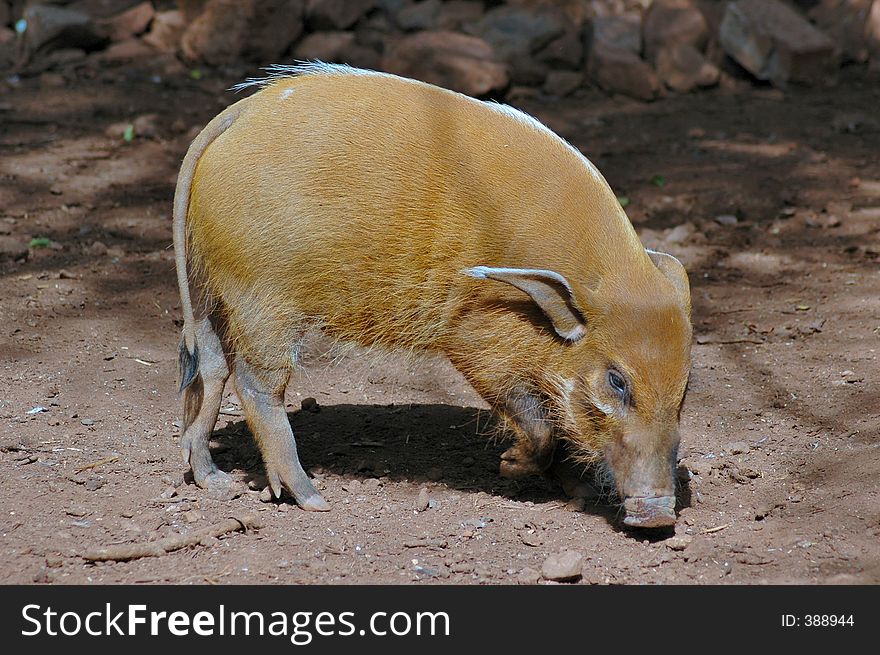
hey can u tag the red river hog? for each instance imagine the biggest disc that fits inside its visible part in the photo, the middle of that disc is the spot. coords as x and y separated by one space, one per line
391 213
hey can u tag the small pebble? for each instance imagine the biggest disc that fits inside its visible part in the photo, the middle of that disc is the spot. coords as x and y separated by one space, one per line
462 567
726 219
563 567
93 484
530 538
737 447
170 492
422 500
266 495
678 542
87 421
528 576
310 405
193 516
54 561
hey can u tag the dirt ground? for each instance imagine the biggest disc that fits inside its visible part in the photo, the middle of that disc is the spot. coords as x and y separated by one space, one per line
772 200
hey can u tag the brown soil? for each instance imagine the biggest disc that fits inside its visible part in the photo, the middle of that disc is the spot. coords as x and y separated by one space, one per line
780 470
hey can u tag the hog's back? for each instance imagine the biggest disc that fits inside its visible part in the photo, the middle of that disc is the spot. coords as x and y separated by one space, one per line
355 201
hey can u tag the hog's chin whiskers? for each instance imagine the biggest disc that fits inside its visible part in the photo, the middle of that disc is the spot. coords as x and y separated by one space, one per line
603 480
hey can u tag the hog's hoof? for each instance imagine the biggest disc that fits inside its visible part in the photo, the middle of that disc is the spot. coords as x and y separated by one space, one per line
300 487
643 512
314 503
514 466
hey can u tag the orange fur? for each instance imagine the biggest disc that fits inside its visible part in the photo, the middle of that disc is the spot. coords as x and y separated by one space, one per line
353 201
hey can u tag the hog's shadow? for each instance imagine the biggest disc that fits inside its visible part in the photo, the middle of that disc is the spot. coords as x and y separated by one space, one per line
450 445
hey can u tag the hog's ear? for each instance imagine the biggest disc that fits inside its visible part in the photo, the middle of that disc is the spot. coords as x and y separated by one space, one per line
675 273
550 291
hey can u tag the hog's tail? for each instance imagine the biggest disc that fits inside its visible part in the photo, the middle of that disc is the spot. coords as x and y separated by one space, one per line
189 350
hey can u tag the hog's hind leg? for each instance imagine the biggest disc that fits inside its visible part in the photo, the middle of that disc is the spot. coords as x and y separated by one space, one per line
201 405
261 392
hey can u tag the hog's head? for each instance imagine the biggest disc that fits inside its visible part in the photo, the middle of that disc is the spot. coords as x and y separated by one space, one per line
620 377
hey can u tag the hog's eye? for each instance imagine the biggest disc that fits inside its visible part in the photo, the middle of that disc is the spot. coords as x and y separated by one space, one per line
617 383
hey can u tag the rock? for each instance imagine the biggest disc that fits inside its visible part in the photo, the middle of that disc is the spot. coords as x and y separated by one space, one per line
310 405
872 32
129 23
190 9
528 576
420 16
560 83
563 567
566 51
97 248
266 495
127 50
324 46
55 28
618 70
775 43
619 31
146 125
448 59
229 29
12 249
726 219
336 47
737 448
679 542
223 487
434 14
166 30
519 31
613 45
846 23
683 68
336 14
422 500
274 25
93 484
680 233
670 23
97 9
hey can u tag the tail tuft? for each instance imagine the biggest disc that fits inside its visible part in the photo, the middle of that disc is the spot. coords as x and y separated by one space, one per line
188 365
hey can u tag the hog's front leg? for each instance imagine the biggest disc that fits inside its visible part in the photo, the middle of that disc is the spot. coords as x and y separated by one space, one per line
535 443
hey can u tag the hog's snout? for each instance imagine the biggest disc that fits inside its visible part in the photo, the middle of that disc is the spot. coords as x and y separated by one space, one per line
649 512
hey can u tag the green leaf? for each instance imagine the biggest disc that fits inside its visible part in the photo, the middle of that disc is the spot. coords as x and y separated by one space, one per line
128 135
658 180
623 200
40 242
196 73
